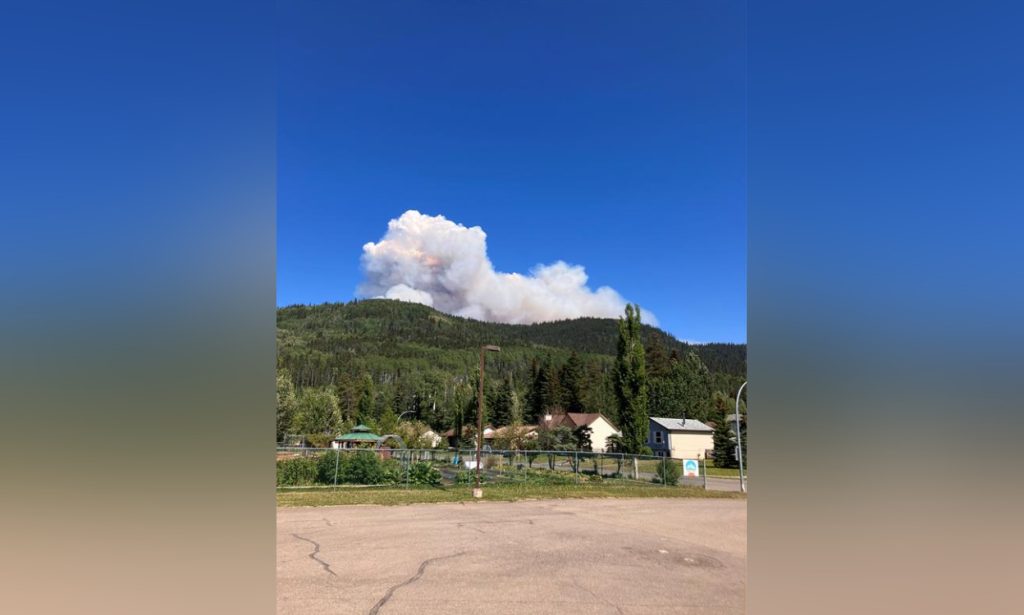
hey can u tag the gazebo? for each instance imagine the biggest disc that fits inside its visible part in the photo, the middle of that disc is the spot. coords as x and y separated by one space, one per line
359 437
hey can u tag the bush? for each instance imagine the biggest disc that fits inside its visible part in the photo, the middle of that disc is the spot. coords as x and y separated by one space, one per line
669 472
422 473
297 471
326 465
366 468
319 440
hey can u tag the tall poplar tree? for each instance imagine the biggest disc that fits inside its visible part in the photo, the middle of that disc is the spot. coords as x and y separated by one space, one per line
631 383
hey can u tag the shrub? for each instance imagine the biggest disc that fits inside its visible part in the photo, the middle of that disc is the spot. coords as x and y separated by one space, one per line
319 440
365 468
422 473
297 471
326 466
669 472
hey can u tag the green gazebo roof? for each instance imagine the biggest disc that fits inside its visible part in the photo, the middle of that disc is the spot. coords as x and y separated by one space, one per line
359 432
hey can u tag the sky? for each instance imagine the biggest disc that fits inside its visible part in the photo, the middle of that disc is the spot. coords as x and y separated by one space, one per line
609 136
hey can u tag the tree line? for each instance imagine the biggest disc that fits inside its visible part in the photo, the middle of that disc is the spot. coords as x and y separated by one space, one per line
373 361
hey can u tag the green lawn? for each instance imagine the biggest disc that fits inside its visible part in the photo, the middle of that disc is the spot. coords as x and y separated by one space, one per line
499 492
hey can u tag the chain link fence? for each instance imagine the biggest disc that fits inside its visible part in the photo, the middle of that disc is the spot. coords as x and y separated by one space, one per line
306 467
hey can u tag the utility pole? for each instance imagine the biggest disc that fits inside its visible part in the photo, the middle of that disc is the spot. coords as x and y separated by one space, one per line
478 492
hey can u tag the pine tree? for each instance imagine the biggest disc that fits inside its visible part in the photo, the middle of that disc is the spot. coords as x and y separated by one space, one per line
572 383
724 445
364 408
501 407
631 383
538 389
658 361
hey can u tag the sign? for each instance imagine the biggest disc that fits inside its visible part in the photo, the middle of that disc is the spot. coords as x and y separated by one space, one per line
470 464
691 468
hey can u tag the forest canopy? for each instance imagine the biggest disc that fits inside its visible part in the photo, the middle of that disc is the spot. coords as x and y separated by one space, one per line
373 360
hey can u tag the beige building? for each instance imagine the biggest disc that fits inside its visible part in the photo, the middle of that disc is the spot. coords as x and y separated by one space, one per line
600 427
680 438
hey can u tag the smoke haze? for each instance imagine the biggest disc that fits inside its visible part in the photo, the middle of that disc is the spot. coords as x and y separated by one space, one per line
443 264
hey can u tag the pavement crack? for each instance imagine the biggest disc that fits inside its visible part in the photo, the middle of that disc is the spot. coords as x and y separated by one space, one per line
419 573
313 555
604 600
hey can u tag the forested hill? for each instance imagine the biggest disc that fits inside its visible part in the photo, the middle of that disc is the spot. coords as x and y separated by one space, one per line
383 327
377 358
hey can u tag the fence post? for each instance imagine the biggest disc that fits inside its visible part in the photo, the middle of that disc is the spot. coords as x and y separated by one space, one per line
636 470
337 458
705 460
576 456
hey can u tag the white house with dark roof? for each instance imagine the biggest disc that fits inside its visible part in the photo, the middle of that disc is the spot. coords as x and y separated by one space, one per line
679 438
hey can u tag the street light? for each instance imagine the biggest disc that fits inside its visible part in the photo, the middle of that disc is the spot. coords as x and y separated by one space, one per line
478 492
739 438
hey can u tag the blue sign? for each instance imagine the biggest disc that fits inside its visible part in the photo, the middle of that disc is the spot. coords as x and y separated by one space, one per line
691 468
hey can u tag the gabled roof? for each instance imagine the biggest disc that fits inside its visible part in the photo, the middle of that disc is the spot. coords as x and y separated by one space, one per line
575 419
681 424
488 430
358 434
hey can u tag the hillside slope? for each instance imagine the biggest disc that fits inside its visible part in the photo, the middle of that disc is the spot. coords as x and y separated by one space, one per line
395 329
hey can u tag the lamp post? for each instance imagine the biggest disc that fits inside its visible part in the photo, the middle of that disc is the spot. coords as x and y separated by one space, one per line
478 492
739 438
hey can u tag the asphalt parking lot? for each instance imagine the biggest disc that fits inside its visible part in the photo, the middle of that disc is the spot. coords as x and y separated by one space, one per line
548 556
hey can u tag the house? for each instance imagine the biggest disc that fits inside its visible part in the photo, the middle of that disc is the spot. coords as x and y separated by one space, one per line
600 427
514 436
467 431
359 437
679 438
431 437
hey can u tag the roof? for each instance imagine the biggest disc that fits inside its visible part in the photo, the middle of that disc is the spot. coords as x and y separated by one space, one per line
521 430
681 424
576 419
488 430
359 432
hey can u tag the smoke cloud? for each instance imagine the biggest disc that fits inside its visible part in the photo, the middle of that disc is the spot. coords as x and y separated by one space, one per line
443 264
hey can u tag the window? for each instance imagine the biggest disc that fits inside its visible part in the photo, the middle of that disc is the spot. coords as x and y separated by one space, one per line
657 437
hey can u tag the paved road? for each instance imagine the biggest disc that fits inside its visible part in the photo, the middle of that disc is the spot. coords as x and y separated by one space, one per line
549 556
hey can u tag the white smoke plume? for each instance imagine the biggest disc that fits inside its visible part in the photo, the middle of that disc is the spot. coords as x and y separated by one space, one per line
437 262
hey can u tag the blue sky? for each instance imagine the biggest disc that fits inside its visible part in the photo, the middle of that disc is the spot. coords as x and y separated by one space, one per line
607 135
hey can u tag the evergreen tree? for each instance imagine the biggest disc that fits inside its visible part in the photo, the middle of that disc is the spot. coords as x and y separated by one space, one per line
583 438
631 383
538 391
725 445
387 423
502 406
364 407
554 393
658 361
572 383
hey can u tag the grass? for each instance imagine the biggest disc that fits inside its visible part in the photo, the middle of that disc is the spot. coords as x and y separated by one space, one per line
390 496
